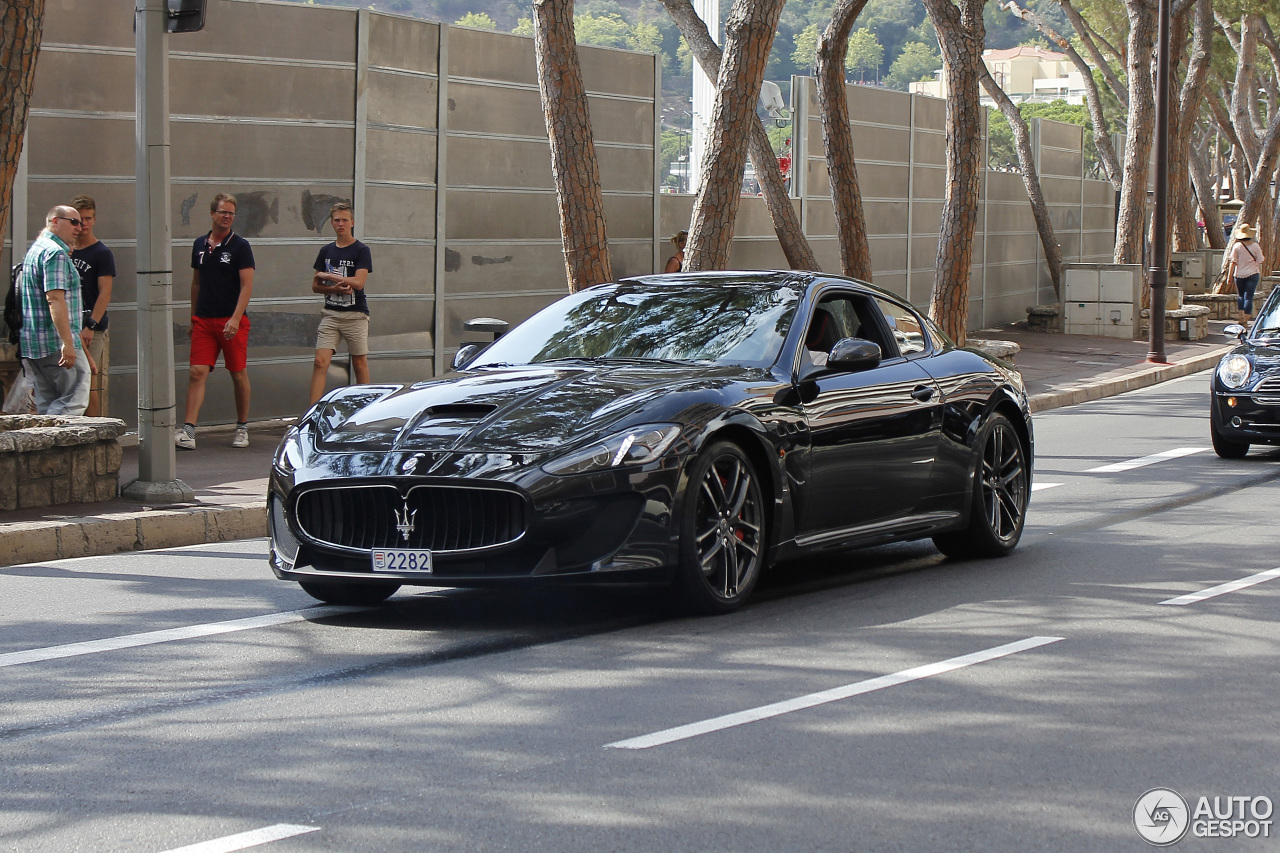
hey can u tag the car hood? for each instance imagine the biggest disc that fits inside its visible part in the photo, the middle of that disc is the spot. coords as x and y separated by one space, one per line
528 409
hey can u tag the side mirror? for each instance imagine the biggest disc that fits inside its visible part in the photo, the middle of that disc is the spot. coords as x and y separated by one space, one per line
1235 330
853 354
465 353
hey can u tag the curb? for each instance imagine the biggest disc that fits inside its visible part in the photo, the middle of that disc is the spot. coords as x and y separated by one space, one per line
36 541
1152 375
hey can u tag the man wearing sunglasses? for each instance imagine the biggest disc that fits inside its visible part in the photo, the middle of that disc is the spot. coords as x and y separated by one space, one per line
49 290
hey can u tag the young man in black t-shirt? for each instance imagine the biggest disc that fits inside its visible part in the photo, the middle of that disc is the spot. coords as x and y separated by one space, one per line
341 270
97 268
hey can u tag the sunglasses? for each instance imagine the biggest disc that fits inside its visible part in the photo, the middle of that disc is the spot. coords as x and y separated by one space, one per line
75 222
225 212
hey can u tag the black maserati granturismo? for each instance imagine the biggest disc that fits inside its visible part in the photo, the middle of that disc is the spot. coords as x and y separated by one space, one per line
688 430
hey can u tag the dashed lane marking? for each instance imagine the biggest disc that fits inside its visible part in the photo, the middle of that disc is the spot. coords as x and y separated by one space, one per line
835 694
245 840
1224 588
1143 461
169 635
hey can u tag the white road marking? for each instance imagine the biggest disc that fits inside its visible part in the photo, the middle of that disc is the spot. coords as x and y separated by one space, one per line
169 635
1040 487
1142 462
1224 588
835 694
245 840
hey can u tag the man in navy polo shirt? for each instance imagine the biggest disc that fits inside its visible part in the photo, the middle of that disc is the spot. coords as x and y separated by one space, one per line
221 284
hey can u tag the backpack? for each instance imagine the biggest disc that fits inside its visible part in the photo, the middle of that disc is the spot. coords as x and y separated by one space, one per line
12 309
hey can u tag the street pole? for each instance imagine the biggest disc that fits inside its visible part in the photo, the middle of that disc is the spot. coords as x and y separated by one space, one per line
1159 269
157 407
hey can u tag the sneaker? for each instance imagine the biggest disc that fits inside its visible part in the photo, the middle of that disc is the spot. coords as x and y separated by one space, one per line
242 437
184 440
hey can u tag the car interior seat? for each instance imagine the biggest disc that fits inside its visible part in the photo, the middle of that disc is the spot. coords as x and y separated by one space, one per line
824 330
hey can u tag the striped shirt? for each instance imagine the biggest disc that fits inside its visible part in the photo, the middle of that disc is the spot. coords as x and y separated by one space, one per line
46 267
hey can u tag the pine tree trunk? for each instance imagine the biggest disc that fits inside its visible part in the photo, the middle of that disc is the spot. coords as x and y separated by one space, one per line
1182 209
961 33
842 169
573 150
1137 149
21 22
785 222
1030 177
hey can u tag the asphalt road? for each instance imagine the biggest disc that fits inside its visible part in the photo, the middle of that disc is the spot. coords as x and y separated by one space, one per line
875 701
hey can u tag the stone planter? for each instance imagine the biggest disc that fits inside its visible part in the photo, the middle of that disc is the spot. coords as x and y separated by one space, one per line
47 460
1222 306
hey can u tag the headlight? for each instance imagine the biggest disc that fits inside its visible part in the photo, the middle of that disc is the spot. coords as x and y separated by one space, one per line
288 455
1234 371
633 447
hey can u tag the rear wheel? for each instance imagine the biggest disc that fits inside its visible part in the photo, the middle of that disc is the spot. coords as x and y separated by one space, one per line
722 531
352 594
1225 447
1000 496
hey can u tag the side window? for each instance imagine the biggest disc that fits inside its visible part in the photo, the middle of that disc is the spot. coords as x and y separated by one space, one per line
907 328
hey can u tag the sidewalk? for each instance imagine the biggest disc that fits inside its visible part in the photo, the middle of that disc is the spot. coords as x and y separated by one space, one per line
231 484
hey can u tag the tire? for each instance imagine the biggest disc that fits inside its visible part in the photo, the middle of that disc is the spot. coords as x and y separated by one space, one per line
1000 496
723 531
1225 447
349 594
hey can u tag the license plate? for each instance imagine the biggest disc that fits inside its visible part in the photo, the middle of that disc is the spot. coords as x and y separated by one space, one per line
401 560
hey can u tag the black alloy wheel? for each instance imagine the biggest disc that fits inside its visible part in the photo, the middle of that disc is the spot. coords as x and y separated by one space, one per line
349 594
722 532
1001 492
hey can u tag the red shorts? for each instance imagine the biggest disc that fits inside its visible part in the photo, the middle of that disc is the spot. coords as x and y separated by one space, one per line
208 339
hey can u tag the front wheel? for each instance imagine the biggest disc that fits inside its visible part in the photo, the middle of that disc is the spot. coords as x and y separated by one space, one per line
1000 496
722 531
349 594
1225 447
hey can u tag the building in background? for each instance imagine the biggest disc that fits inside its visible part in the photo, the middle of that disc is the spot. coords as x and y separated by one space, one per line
1026 73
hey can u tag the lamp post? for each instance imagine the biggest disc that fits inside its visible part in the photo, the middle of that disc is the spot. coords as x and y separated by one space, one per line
157 404
1159 269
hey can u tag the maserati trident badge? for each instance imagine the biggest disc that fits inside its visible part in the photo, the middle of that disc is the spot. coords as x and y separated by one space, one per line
404 520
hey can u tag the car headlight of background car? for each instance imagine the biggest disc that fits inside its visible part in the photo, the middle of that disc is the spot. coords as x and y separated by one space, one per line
635 446
1234 370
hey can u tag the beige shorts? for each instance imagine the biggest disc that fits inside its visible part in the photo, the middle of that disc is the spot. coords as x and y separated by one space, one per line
351 326
100 352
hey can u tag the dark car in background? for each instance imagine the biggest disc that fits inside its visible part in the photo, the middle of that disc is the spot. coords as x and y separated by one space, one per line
686 429
1244 405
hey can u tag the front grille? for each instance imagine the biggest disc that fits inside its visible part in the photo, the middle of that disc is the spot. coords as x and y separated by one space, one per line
443 518
1268 386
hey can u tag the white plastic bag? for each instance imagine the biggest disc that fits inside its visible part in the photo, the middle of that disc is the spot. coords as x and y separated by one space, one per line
21 399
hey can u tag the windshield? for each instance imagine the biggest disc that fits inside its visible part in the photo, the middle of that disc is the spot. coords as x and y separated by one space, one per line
1268 323
730 322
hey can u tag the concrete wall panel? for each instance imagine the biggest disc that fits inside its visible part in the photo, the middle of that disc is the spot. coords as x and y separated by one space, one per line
398 212
279 152
1064 163
396 155
406 100
873 104
404 44
274 31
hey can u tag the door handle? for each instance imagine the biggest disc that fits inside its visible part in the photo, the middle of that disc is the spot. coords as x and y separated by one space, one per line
923 393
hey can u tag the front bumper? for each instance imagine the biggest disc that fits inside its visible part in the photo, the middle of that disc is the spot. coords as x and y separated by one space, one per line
614 526
1245 416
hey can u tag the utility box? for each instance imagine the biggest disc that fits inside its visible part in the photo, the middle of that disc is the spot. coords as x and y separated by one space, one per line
1186 270
1101 299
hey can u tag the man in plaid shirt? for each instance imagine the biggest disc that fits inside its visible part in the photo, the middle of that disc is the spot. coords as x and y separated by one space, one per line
49 290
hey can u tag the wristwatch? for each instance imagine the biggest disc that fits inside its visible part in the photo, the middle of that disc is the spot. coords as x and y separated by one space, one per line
92 326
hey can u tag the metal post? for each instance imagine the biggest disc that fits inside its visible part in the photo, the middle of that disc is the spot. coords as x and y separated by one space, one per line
1159 269
157 407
